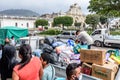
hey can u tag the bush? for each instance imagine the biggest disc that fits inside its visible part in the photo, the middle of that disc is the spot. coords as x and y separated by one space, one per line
51 32
45 27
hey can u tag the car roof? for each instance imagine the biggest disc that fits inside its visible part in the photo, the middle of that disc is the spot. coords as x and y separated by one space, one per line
69 31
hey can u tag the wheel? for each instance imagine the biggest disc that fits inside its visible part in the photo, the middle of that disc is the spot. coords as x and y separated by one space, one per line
98 43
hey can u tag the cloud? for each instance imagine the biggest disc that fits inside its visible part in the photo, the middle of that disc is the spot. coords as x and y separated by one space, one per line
43 6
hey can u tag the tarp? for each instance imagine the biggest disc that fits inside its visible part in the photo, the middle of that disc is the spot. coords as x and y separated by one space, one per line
9 31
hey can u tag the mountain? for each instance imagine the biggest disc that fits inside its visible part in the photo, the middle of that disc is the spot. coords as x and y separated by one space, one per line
19 12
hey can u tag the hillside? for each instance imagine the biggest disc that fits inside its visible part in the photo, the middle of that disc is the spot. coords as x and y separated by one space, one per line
18 12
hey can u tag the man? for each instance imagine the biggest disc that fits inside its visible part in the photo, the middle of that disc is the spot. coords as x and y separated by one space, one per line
0 51
12 41
84 38
73 71
49 71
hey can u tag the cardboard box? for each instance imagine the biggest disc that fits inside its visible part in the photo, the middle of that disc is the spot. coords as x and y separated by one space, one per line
86 68
92 56
105 72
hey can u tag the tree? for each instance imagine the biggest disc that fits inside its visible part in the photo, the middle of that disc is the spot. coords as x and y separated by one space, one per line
77 24
92 19
64 20
109 8
41 22
103 19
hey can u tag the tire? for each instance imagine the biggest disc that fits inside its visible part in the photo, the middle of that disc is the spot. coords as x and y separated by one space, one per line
98 43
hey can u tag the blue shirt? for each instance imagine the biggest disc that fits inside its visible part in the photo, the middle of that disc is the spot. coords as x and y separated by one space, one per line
48 73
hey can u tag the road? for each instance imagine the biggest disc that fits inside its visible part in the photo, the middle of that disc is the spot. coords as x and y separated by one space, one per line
102 48
93 47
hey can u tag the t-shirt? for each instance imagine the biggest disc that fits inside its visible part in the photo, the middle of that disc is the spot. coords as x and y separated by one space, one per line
84 37
0 54
48 73
12 42
30 71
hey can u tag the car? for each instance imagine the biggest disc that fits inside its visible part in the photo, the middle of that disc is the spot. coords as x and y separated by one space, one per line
67 35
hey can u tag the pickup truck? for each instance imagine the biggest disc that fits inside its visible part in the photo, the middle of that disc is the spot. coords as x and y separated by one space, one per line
34 41
102 37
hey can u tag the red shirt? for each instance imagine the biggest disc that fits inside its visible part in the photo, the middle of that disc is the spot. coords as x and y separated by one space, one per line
30 71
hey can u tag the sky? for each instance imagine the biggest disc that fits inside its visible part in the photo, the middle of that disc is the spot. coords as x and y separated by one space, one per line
43 6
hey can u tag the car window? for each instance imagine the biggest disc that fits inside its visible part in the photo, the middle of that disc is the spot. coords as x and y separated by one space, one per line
97 32
66 33
73 33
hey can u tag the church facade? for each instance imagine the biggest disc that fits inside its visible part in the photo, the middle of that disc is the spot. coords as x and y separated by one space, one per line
76 13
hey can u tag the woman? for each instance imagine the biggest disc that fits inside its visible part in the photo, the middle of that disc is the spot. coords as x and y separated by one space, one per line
7 62
30 68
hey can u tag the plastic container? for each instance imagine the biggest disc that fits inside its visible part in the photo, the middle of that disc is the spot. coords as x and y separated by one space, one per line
60 71
118 75
87 77
60 78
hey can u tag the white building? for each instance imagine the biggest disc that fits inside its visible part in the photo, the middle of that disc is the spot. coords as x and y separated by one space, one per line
25 22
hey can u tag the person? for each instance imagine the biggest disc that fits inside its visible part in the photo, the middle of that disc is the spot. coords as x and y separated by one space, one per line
73 71
29 68
12 41
7 41
49 71
84 38
7 62
0 51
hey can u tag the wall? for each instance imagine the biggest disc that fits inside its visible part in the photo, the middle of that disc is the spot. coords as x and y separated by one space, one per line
20 23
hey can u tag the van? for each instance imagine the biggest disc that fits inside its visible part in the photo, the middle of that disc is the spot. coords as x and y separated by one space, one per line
67 35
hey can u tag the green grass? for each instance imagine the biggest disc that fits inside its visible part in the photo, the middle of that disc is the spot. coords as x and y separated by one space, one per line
115 32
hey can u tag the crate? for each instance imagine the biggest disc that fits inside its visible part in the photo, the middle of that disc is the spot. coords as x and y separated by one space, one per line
92 56
105 72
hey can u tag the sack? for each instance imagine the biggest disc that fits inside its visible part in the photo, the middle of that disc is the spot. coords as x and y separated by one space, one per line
71 42
58 43
53 58
115 55
77 48
50 40
37 52
46 48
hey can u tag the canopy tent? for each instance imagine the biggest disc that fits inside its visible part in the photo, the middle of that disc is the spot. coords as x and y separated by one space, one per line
9 31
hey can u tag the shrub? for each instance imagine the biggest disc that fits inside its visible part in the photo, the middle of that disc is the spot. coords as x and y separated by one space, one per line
45 27
51 32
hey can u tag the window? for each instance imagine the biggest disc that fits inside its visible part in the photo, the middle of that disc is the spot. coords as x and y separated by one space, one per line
66 33
27 24
97 32
73 33
16 24
0 24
